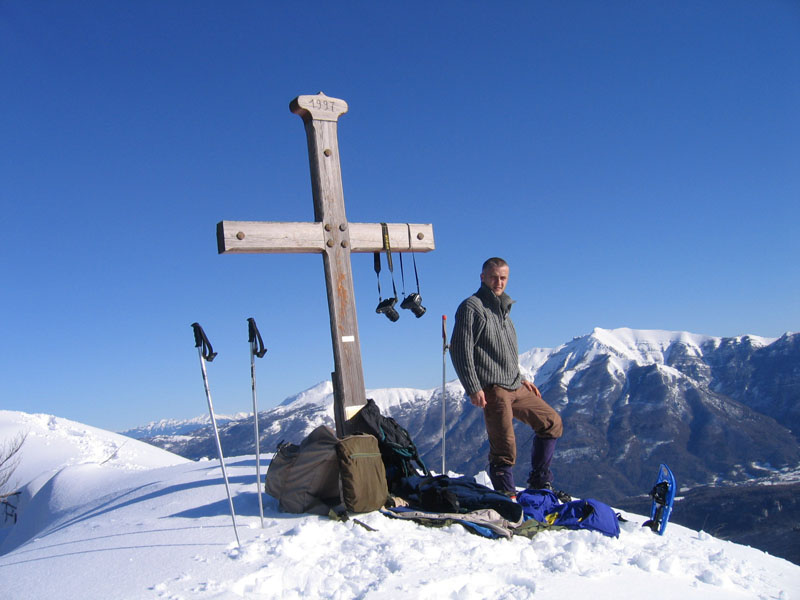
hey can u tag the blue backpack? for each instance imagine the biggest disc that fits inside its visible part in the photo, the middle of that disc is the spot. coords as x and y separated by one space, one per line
537 504
544 506
587 514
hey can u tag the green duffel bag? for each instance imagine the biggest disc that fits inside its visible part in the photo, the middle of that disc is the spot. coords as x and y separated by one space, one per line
305 478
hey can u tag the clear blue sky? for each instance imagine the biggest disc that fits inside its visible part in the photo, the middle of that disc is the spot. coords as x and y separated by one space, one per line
636 162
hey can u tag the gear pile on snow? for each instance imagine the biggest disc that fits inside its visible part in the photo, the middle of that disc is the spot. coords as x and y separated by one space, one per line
379 468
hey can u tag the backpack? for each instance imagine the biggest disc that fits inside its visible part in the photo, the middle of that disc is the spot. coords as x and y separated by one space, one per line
456 495
537 504
362 473
305 478
586 514
544 507
400 456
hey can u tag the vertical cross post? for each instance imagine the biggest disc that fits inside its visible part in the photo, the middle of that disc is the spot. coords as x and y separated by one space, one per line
320 115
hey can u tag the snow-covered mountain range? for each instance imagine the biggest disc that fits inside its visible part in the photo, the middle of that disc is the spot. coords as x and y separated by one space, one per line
180 426
718 409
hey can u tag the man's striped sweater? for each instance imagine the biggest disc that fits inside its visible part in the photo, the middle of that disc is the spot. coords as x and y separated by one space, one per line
483 347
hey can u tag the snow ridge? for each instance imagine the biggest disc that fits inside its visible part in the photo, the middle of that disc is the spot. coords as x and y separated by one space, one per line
166 533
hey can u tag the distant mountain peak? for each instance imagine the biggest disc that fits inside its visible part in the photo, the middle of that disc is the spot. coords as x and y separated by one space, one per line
647 346
316 394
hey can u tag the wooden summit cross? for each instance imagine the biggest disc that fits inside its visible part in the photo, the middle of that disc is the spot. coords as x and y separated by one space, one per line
332 236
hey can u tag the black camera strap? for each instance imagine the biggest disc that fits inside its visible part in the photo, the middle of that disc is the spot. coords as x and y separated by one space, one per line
413 257
377 261
402 275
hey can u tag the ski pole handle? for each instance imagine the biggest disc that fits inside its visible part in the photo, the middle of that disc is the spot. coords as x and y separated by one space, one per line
201 341
254 337
444 333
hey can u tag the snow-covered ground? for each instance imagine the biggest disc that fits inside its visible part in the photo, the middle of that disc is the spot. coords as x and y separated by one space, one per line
104 517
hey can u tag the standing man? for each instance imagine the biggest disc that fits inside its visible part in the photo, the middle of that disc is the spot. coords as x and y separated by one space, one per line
485 355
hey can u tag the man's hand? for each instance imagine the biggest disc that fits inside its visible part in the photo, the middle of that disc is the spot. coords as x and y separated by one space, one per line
531 388
478 399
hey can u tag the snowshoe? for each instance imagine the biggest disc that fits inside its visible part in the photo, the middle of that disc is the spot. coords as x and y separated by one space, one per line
663 495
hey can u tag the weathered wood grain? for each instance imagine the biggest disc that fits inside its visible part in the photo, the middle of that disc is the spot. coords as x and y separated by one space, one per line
241 237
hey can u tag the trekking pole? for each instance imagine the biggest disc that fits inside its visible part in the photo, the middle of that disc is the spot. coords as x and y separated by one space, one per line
256 349
444 389
207 353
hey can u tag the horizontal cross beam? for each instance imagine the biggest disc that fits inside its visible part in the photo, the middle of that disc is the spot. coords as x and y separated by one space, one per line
241 237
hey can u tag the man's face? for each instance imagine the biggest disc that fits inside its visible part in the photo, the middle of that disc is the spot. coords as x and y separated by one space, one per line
496 279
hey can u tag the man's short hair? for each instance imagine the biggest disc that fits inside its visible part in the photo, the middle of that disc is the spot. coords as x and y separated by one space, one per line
493 263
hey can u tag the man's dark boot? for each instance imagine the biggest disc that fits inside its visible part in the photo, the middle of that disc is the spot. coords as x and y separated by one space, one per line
541 457
502 479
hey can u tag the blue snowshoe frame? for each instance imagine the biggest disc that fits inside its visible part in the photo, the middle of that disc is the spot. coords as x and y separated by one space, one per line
663 495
